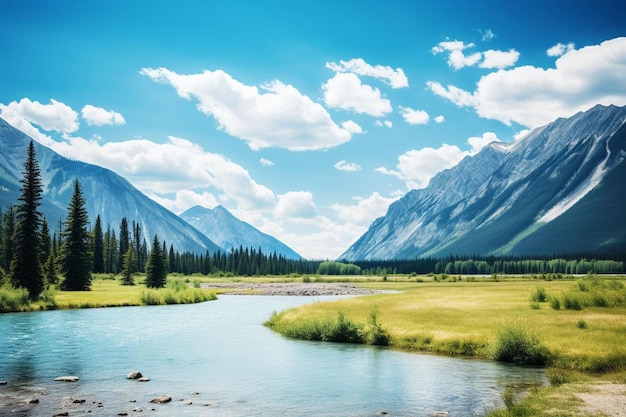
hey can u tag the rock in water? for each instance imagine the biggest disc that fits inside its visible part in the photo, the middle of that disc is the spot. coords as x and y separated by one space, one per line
67 378
134 375
162 399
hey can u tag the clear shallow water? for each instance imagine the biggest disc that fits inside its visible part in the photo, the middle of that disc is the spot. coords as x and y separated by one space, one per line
216 359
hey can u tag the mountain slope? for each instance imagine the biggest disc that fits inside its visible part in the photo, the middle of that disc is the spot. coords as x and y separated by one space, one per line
528 197
106 194
229 232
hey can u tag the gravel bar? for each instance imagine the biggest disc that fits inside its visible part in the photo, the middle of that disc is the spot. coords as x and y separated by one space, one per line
291 288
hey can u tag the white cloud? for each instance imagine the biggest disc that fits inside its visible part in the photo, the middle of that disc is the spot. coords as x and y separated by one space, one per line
534 96
266 162
487 35
414 117
499 59
364 211
345 91
454 94
347 166
165 168
97 116
560 49
296 204
521 134
352 127
479 142
386 123
440 119
278 116
457 59
55 116
417 166
395 78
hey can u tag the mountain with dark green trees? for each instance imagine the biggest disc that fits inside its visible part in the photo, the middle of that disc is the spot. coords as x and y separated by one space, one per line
106 194
561 189
231 233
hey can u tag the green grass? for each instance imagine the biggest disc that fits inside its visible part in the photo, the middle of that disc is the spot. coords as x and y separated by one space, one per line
465 318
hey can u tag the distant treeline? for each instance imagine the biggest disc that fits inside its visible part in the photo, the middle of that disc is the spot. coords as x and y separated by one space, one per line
570 264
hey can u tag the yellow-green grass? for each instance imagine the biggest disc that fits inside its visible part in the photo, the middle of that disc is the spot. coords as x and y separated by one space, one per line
464 318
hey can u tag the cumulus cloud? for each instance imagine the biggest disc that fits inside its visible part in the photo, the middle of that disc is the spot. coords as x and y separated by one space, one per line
499 59
439 119
347 166
457 59
352 127
296 204
164 168
414 117
417 166
395 78
55 116
277 115
479 142
364 211
266 162
487 35
345 91
560 49
532 96
97 116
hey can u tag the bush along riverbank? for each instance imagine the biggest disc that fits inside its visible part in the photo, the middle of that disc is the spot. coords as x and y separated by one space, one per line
575 328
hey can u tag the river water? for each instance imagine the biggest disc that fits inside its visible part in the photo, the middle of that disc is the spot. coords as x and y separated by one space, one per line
217 359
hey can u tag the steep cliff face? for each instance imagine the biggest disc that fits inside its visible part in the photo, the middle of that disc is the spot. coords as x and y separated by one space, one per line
557 190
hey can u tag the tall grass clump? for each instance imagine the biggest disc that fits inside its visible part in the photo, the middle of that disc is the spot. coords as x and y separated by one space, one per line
13 299
591 291
539 295
339 328
517 345
176 292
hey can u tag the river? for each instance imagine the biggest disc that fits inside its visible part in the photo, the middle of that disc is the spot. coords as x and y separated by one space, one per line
217 359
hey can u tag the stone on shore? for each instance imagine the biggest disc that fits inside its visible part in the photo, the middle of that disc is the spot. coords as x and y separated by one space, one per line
143 379
134 375
3 382
162 399
67 378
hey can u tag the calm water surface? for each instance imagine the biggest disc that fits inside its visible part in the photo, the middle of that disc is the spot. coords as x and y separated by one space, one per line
216 359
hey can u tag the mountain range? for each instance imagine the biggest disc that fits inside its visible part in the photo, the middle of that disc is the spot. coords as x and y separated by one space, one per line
112 197
558 190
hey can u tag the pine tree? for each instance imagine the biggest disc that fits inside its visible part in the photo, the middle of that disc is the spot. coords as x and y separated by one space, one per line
155 270
8 230
25 264
98 247
76 261
129 267
45 241
124 240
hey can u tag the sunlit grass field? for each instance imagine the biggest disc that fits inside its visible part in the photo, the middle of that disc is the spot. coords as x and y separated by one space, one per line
465 317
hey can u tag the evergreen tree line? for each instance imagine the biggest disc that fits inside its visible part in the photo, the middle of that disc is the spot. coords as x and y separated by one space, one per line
488 265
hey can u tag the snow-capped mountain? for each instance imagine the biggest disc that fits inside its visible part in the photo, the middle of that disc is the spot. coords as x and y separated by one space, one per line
229 232
105 193
559 190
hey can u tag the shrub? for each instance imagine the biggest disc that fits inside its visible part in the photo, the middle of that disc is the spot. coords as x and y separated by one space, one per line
581 324
374 332
535 305
516 345
539 295
555 303
13 299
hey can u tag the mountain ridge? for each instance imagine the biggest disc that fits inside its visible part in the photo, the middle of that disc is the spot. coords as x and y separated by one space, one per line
516 190
229 232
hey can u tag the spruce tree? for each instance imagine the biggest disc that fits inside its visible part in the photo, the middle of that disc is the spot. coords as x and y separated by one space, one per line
155 270
98 247
124 241
25 263
129 267
76 261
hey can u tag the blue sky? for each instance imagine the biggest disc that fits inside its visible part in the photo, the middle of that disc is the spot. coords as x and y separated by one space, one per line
305 119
